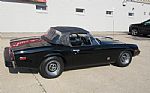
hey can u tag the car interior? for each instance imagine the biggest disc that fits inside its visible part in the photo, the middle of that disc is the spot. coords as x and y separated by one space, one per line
79 40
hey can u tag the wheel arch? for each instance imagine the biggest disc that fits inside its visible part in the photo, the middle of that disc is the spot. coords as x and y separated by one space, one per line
43 65
130 50
136 28
55 54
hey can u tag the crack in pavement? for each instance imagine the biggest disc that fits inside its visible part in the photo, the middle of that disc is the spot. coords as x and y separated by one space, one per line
39 83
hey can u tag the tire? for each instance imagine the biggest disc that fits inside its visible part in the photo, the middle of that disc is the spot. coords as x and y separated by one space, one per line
51 67
124 59
134 32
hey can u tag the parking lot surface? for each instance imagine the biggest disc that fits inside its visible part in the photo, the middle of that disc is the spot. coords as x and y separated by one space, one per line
103 79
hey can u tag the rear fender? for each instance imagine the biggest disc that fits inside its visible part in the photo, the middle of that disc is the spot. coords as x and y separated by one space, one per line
55 54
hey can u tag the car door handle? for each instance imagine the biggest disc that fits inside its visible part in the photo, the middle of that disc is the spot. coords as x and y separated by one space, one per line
76 50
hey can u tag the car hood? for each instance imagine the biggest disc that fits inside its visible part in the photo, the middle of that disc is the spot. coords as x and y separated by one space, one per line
108 40
135 24
111 42
27 42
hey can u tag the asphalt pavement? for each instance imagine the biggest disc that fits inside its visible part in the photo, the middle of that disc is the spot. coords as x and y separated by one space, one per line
103 79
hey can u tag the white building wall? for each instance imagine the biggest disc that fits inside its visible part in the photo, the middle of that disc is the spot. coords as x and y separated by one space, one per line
23 17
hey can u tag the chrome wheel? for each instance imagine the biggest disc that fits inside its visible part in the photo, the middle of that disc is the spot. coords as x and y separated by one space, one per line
134 32
125 58
53 68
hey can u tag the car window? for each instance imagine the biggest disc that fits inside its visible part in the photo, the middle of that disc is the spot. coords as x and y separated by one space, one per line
80 40
147 23
53 36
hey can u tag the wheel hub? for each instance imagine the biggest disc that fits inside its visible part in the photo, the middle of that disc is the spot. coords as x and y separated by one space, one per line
134 32
125 58
52 67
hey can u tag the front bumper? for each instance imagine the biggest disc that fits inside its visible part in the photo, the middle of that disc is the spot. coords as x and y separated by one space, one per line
136 52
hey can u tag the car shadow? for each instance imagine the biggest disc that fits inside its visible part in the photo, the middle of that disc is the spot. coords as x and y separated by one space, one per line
147 36
139 37
85 67
22 70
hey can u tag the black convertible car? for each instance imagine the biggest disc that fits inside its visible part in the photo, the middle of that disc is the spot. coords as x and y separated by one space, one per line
140 28
67 47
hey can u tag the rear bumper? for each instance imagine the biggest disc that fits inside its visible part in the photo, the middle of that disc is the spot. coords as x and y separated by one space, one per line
7 57
8 64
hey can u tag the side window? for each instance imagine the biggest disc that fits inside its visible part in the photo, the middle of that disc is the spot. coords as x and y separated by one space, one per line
79 40
75 40
85 39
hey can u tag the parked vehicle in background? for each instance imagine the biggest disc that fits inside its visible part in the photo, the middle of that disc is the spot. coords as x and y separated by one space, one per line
140 28
67 47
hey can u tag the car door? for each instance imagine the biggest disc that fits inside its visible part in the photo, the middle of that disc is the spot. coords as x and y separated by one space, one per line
83 55
90 54
145 27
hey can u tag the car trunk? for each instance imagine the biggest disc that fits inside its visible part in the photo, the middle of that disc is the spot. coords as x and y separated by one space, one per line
27 42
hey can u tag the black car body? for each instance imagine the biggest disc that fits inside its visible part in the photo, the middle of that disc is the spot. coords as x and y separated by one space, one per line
140 28
67 47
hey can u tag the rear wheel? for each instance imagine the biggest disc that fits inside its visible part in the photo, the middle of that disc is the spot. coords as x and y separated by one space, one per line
134 32
51 67
124 59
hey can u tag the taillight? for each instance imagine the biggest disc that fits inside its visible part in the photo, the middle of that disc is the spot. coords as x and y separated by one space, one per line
23 42
22 58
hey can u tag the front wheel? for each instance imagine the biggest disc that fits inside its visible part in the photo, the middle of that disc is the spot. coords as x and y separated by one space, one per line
124 59
134 32
51 67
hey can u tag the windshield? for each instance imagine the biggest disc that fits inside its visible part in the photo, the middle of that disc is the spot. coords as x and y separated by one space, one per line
102 38
105 39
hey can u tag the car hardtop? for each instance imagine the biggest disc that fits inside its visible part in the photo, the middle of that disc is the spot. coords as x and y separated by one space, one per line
74 36
67 29
59 35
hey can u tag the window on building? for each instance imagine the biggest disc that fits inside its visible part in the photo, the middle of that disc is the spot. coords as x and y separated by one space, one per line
144 13
130 14
109 12
80 10
41 7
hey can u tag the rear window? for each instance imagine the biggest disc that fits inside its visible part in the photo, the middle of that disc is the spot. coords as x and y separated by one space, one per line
53 35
